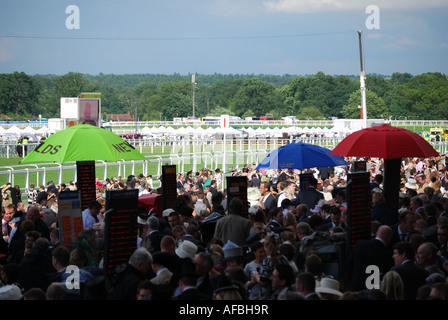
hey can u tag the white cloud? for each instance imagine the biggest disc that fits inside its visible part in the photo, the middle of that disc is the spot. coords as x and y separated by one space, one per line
402 43
309 6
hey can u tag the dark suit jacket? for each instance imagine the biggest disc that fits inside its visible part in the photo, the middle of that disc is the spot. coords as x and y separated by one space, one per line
313 296
270 203
310 197
192 294
395 236
155 238
413 278
366 253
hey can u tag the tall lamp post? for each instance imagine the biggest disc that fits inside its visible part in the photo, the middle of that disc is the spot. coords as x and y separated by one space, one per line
193 82
136 126
362 78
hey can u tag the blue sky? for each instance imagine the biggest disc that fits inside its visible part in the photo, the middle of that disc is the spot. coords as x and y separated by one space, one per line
223 36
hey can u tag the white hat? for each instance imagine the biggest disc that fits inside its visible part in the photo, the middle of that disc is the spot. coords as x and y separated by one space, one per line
10 292
187 249
167 212
316 208
411 184
328 285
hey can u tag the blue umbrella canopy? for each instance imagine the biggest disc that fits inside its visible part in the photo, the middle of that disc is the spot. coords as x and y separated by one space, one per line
301 156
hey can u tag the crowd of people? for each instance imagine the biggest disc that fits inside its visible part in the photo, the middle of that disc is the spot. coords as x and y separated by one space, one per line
208 248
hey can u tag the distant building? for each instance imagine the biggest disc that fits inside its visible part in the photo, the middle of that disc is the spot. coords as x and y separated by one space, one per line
120 117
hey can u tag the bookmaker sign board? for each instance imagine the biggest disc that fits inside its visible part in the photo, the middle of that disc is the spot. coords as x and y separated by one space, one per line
237 188
120 232
69 216
358 206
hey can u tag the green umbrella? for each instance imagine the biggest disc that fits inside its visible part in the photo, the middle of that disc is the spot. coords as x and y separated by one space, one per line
83 142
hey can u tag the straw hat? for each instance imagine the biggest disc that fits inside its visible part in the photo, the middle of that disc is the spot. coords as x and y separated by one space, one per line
411 184
187 249
328 285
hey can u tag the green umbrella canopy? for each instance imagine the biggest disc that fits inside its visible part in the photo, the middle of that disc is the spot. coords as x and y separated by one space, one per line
83 142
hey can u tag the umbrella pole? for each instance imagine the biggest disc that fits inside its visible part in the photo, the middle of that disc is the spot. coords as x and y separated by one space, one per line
391 185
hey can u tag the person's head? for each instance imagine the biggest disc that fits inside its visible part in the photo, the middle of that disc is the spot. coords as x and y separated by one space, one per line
34 294
442 234
303 230
168 244
141 260
33 214
335 214
203 262
426 254
60 257
9 212
305 283
392 286
282 276
257 249
174 219
416 202
30 238
54 235
403 251
55 292
153 223
407 220
313 264
300 210
235 206
270 246
340 197
10 273
277 215
379 178
384 233
95 207
144 290
179 232
439 291
265 187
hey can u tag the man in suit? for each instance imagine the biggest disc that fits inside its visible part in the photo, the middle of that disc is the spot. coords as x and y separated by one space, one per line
267 200
426 257
412 275
186 278
335 220
306 284
404 228
154 236
370 252
161 260
310 196
126 278
234 226
204 265
192 234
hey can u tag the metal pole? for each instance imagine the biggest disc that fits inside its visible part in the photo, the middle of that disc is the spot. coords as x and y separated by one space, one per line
362 80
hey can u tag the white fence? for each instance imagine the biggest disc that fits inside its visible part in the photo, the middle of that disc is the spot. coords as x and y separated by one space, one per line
191 153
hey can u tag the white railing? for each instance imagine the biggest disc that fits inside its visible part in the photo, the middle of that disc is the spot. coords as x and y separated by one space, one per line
187 154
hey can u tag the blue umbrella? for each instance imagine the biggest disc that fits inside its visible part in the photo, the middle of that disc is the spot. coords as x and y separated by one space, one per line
301 156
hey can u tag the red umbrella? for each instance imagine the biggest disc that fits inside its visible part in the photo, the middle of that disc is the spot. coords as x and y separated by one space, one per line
385 142
391 144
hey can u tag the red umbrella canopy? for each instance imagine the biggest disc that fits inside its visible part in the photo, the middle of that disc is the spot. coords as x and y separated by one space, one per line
385 142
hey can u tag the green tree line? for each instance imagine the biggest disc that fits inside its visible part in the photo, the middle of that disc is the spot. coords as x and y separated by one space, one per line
159 96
